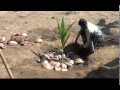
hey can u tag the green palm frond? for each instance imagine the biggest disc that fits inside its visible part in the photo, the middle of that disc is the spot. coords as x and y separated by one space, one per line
63 32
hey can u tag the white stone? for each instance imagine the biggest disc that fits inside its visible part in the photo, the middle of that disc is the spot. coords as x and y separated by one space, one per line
3 39
12 43
45 62
59 56
57 68
47 65
69 65
1 45
64 56
79 61
63 65
53 63
24 34
57 64
38 40
63 69
71 62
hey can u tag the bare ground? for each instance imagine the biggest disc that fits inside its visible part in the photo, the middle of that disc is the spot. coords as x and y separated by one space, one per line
22 59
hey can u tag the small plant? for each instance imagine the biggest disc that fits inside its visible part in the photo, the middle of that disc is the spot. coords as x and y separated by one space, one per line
63 33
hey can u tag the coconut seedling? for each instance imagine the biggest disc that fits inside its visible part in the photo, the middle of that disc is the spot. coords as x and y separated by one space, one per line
63 34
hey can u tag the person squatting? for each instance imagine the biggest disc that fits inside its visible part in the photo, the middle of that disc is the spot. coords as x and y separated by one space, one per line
91 35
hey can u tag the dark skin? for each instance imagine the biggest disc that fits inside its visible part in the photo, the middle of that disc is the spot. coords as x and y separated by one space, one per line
83 25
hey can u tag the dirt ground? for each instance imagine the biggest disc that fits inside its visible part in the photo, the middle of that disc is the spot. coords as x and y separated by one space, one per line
22 59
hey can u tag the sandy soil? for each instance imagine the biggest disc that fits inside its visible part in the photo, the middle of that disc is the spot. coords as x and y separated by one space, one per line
22 59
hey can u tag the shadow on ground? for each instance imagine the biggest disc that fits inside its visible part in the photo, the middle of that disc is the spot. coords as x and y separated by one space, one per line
106 27
109 70
79 50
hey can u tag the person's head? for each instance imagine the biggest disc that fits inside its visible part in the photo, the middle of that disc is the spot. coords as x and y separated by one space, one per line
82 23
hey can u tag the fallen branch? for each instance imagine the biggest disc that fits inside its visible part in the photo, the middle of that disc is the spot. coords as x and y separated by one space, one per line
5 63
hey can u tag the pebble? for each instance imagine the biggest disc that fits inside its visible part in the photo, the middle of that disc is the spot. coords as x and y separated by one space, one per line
47 65
38 40
69 65
79 61
57 68
12 43
24 34
63 65
1 45
58 64
2 39
59 56
53 63
63 69
71 62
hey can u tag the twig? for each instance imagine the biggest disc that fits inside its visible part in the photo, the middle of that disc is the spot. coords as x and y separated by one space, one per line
70 25
6 66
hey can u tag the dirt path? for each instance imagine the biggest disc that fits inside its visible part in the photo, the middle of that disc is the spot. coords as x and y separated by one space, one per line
21 59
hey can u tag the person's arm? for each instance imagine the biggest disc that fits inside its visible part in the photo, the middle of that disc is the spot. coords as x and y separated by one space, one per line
86 45
78 35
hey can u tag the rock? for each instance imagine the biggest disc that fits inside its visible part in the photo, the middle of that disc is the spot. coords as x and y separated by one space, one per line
69 65
18 34
51 55
58 64
79 61
38 40
47 65
71 62
43 57
53 63
24 34
63 65
44 62
59 56
56 57
2 45
64 56
12 43
47 56
37 59
63 69
57 68
2 39
24 43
